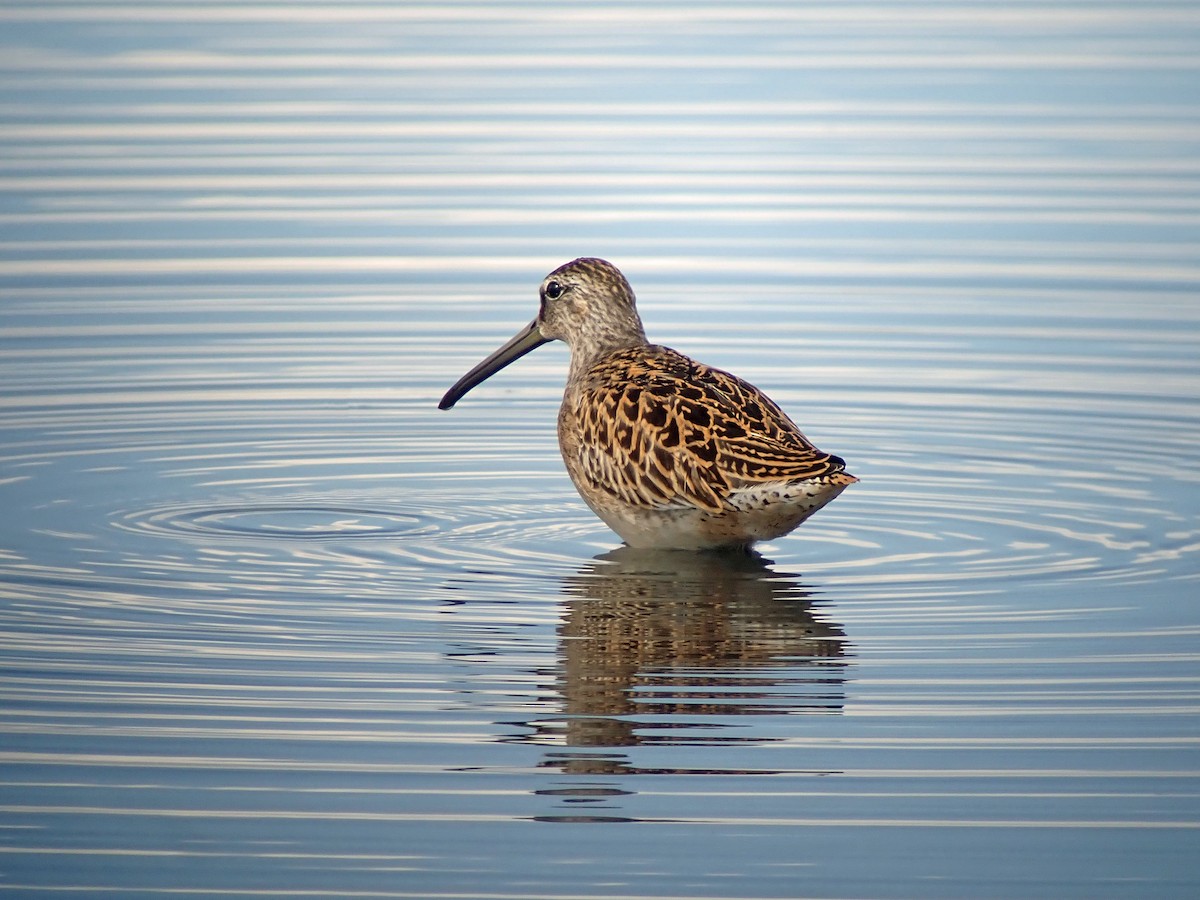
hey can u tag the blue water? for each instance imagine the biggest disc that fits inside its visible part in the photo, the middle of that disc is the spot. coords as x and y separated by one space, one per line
273 625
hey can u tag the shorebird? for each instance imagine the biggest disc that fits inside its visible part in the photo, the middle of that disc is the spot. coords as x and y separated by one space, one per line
669 452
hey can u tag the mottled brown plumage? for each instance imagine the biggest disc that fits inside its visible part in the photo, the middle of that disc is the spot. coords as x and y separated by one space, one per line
667 451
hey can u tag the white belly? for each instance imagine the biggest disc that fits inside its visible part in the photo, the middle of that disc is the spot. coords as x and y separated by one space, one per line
756 513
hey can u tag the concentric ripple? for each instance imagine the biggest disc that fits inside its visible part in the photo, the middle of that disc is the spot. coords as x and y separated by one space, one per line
281 522
495 542
1032 483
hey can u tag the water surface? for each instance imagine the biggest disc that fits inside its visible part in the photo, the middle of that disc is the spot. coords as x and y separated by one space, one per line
273 624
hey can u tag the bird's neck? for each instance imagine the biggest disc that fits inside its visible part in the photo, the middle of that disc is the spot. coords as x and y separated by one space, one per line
589 349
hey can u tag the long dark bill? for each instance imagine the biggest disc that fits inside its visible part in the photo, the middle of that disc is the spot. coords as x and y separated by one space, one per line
525 340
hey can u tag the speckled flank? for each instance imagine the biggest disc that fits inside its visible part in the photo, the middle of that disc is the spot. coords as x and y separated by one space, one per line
667 451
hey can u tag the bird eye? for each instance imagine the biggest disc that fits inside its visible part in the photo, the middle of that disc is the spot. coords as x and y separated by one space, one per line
554 290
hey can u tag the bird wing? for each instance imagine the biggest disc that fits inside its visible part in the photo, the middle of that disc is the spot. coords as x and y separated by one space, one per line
659 429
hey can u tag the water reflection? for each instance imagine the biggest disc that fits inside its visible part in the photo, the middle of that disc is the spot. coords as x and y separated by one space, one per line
661 647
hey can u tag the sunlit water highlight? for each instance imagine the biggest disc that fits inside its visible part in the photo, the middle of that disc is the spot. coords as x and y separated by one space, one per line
270 622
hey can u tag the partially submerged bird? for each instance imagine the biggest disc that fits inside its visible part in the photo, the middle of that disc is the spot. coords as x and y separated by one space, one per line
669 452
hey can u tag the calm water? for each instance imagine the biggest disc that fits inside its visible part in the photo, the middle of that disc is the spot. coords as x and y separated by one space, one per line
272 624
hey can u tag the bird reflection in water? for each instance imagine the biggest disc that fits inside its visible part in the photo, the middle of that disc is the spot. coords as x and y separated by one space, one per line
671 647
